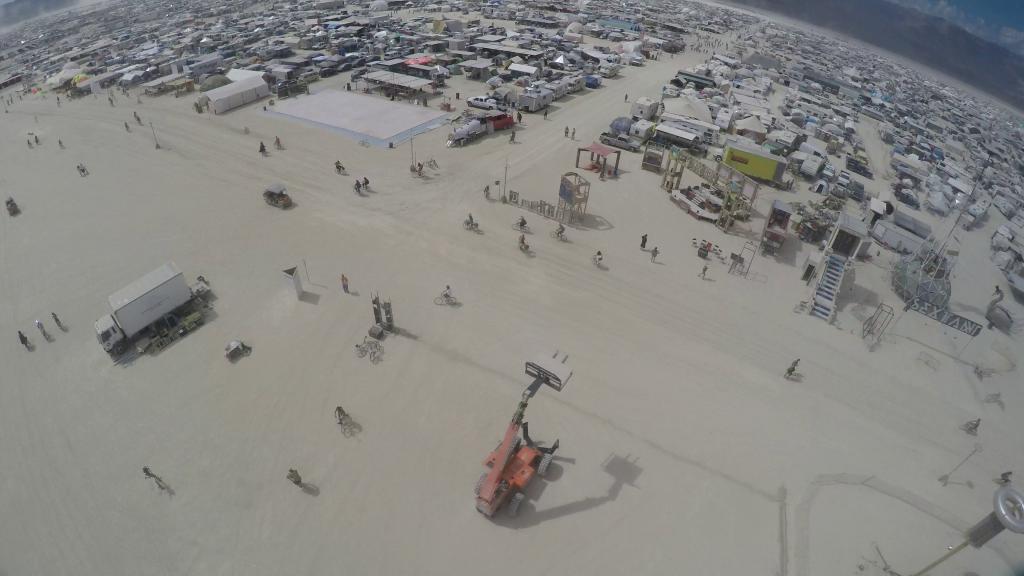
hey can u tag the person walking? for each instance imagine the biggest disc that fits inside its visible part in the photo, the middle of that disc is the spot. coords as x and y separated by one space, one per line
545 113
626 99
573 134
56 320
158 480
340 415
293 477
519 117
654 253
487 191
42 329
24 340
792 368
344 283
704 272
566 131
643 242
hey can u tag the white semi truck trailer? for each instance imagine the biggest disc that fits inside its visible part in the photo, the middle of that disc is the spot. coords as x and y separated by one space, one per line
142 303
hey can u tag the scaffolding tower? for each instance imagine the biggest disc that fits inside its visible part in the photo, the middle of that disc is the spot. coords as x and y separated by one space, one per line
573 194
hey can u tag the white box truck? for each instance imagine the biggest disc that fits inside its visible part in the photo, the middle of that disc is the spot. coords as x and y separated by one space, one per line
141 303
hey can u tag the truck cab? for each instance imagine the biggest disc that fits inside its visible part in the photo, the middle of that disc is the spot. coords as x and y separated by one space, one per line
108 333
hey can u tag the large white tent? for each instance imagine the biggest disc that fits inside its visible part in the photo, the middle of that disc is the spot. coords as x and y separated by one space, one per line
236 94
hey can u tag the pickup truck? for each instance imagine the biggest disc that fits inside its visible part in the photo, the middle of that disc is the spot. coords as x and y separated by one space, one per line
620 141
907 198
482 102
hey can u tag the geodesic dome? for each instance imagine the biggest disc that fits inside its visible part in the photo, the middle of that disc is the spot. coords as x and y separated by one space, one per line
923 275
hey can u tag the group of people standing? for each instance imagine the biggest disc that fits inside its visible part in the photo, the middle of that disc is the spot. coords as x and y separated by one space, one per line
42 330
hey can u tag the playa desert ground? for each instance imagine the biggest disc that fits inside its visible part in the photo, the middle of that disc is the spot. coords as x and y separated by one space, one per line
683 450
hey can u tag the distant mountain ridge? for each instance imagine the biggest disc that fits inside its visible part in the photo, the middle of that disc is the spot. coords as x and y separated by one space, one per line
929 40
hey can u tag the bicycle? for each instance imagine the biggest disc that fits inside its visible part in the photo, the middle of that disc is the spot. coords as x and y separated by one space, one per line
445 300
368 346
521 228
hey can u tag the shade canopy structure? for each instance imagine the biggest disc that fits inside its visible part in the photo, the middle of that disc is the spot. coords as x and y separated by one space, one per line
395 80
599 154
422 60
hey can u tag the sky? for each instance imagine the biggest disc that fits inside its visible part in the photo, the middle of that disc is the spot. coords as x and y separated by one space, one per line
999 21
993 12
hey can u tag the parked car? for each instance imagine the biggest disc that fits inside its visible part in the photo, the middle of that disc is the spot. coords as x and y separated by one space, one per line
907 198
620 141
482 102
844 179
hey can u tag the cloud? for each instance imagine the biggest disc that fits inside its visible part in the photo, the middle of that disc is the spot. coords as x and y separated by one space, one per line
1005 36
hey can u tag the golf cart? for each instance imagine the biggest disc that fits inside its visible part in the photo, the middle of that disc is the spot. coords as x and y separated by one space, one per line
276 195
236 349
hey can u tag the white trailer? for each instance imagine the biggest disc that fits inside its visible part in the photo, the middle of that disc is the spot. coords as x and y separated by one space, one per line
645 109
812 166
668 135
140 304
535 99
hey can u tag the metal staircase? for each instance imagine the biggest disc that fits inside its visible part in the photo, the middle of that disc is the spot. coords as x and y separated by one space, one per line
826 293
